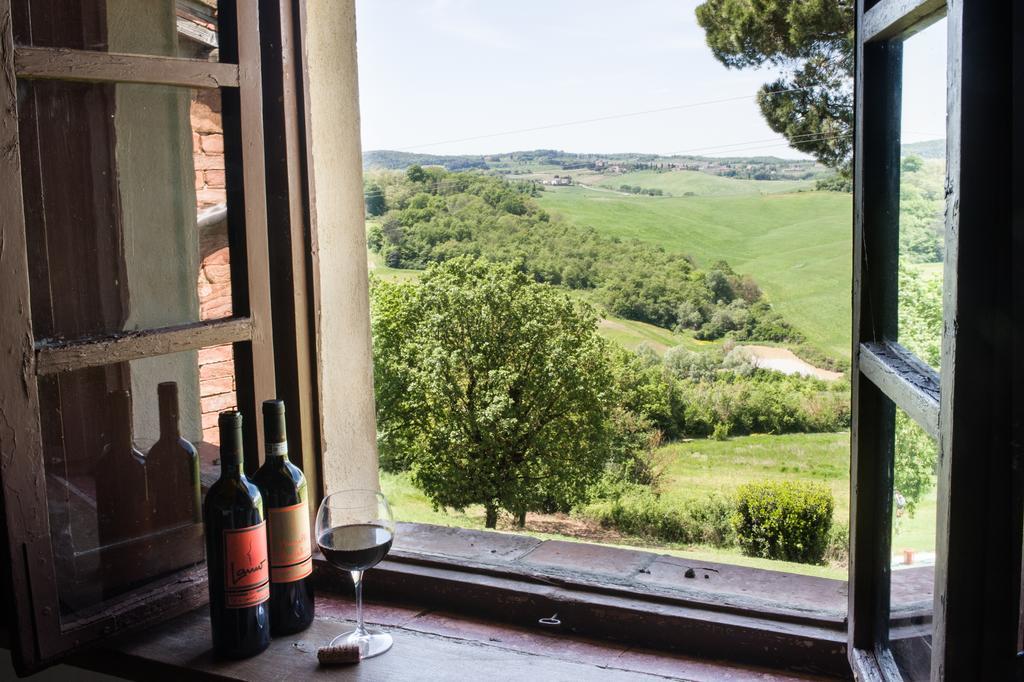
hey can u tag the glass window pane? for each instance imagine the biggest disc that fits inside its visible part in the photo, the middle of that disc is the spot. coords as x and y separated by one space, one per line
922 192
922 248
167 28
125 207
913 548
126 462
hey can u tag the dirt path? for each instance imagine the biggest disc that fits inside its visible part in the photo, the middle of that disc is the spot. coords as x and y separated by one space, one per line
783 360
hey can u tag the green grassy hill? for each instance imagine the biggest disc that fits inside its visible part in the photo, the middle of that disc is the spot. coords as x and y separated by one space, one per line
678 183
797 246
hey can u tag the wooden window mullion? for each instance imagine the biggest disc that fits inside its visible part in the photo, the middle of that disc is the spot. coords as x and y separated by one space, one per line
977 571
876 242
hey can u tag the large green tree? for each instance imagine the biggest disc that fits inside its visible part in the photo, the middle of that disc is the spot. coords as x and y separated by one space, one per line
811 42
491 388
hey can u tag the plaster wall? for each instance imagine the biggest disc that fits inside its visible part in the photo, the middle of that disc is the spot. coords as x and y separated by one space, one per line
156 179
348 420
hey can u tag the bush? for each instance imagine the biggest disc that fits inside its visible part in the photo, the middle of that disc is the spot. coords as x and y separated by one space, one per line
763 402
784 520
636 510
838 551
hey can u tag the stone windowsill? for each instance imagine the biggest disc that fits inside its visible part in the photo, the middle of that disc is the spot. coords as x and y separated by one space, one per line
647 572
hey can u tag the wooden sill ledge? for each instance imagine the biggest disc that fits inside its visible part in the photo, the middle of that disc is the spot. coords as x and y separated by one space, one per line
429 645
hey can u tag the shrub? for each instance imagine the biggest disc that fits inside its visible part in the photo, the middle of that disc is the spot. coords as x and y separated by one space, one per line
784 520
636 510
838 551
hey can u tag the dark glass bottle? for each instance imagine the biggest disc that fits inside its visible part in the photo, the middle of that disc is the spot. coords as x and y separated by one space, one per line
288 527
172 467
236 552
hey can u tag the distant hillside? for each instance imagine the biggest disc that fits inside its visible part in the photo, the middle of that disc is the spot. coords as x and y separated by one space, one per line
553 160
929 149
383 159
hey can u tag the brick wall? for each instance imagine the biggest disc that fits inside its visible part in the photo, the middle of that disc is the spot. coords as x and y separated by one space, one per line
216 366
208 149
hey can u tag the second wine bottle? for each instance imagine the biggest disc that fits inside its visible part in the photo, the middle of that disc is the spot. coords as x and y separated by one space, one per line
288 528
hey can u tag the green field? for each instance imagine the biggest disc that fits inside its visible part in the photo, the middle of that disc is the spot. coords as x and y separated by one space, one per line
797 246
631 334
378 269
678 183
698 468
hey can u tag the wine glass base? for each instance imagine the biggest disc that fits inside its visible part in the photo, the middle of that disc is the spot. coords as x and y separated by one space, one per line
371 643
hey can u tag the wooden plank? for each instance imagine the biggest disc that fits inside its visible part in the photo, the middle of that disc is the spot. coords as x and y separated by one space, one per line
247 218
875 265
874 666
66 356
181 650
63 64
196 32
905 380
900 19
977 579
27 535
291 288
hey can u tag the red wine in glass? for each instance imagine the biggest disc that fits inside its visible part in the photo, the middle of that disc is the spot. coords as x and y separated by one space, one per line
355 548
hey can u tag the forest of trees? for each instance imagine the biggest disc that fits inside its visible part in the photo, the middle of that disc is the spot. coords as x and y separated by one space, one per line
428 215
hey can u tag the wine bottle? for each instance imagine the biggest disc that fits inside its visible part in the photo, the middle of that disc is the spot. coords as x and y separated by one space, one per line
291 561
236 552
172 467
122 505
121 492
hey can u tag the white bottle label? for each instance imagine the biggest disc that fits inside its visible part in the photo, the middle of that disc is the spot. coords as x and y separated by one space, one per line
277 449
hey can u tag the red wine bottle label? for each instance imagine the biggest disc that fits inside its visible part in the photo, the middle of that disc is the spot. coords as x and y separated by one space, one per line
245 566
291 553
277 448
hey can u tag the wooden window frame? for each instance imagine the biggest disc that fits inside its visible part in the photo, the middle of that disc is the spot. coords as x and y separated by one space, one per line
968 405
38 635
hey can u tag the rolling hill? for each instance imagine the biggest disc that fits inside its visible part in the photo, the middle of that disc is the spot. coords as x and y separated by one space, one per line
797 245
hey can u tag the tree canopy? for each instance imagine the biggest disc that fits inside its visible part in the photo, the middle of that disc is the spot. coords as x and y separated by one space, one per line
493 389
811 104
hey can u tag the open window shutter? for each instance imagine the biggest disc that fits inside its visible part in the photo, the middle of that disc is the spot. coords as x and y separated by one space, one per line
973 407
64 385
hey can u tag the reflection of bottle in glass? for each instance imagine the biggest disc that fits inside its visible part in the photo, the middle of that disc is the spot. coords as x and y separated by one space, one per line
172 467
236 552
291 562
121 494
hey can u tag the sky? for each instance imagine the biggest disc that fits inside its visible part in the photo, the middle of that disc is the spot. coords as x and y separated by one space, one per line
489 76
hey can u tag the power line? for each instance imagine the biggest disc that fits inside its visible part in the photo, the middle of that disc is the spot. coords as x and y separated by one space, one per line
804 137
598 119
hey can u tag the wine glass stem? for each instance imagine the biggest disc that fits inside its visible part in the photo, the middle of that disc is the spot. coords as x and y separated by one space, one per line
357 579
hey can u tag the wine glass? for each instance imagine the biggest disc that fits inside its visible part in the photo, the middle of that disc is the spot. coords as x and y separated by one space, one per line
354 529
